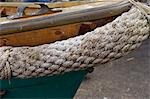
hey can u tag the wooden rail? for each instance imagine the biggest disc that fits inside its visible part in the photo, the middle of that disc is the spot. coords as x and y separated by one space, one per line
63 18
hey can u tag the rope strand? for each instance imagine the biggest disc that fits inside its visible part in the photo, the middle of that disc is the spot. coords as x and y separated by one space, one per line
143 8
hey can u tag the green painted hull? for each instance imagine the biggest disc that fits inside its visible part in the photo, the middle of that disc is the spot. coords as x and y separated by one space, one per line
58 86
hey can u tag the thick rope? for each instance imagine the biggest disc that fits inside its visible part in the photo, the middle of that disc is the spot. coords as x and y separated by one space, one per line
142 7
6 73
102 45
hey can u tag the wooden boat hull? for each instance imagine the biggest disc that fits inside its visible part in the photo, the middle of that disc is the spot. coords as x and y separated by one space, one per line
52 34
40 36
52 27
58 86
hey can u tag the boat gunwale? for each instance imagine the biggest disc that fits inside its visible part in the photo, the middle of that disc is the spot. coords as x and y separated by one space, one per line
58 18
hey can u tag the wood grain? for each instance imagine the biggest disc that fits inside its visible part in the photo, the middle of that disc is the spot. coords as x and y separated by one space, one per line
41 36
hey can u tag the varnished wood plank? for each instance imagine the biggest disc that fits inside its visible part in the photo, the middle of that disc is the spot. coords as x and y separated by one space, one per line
41 36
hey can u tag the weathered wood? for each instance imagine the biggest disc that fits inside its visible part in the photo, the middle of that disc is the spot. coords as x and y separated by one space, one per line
11 7
62 18
12 10
49 28
47 35
55 4
51 5
41 36
62 4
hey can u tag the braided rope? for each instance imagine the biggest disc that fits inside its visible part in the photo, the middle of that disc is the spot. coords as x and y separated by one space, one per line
102 45
142 7
6 73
